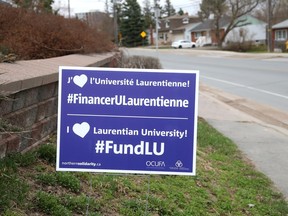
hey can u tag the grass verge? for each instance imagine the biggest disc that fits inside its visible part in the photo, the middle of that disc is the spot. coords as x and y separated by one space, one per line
225 184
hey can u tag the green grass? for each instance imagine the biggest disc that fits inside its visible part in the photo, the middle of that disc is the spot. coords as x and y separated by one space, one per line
64 179
50 204
225 184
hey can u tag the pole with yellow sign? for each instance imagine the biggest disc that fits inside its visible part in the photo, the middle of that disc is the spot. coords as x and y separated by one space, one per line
143 35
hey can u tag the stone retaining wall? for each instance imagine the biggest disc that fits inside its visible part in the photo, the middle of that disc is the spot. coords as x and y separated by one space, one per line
29 98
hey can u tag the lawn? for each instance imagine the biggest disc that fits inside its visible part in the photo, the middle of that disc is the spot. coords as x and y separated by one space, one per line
226 183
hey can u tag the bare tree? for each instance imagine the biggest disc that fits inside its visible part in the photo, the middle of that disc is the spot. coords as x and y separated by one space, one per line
234 9
279 11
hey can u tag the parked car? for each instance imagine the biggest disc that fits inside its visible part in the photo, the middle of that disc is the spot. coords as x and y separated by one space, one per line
183 44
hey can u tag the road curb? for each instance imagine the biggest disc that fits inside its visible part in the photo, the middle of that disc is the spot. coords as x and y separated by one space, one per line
262 114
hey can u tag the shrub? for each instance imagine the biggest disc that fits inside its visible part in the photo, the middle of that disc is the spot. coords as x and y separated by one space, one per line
144 62
35 36
47 152
239 46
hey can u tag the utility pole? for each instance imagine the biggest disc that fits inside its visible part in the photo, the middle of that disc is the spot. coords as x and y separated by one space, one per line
269 28
69 15
115 22
106 7
156 20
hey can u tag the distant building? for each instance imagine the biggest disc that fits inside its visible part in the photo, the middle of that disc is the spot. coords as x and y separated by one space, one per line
204 33
251 29
280 35
176 28
100 21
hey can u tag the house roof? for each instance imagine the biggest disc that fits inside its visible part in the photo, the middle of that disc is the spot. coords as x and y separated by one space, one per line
283 24
177 16
176 21
209 24
224 21
187 26
248 19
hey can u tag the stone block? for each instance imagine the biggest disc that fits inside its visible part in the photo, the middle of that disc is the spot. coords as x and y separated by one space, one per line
55 107
23 118
42 110
36 133
46 109
13 144
19 101
6 105
31 96
46 92
56 90
25 140
49 126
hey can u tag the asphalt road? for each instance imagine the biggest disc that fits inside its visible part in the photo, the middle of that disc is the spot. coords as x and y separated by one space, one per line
245 97
261 78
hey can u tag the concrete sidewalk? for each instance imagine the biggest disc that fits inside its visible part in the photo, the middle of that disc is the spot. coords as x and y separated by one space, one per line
261 135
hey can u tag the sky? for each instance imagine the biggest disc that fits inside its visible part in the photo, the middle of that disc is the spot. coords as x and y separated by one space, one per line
82 6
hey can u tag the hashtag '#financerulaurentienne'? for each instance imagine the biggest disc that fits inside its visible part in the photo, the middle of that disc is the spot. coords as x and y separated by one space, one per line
70 99
99 147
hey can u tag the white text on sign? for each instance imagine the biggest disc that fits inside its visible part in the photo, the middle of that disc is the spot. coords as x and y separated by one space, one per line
122 100
144 148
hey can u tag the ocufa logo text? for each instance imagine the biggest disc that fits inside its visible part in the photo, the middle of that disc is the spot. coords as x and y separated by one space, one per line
155 163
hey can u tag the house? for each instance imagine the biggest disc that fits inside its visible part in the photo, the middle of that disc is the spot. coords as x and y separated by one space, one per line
175 28
204 33
280 35
183 32
248 29
251 29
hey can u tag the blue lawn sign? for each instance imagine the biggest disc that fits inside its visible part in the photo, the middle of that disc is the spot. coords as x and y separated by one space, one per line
127 120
